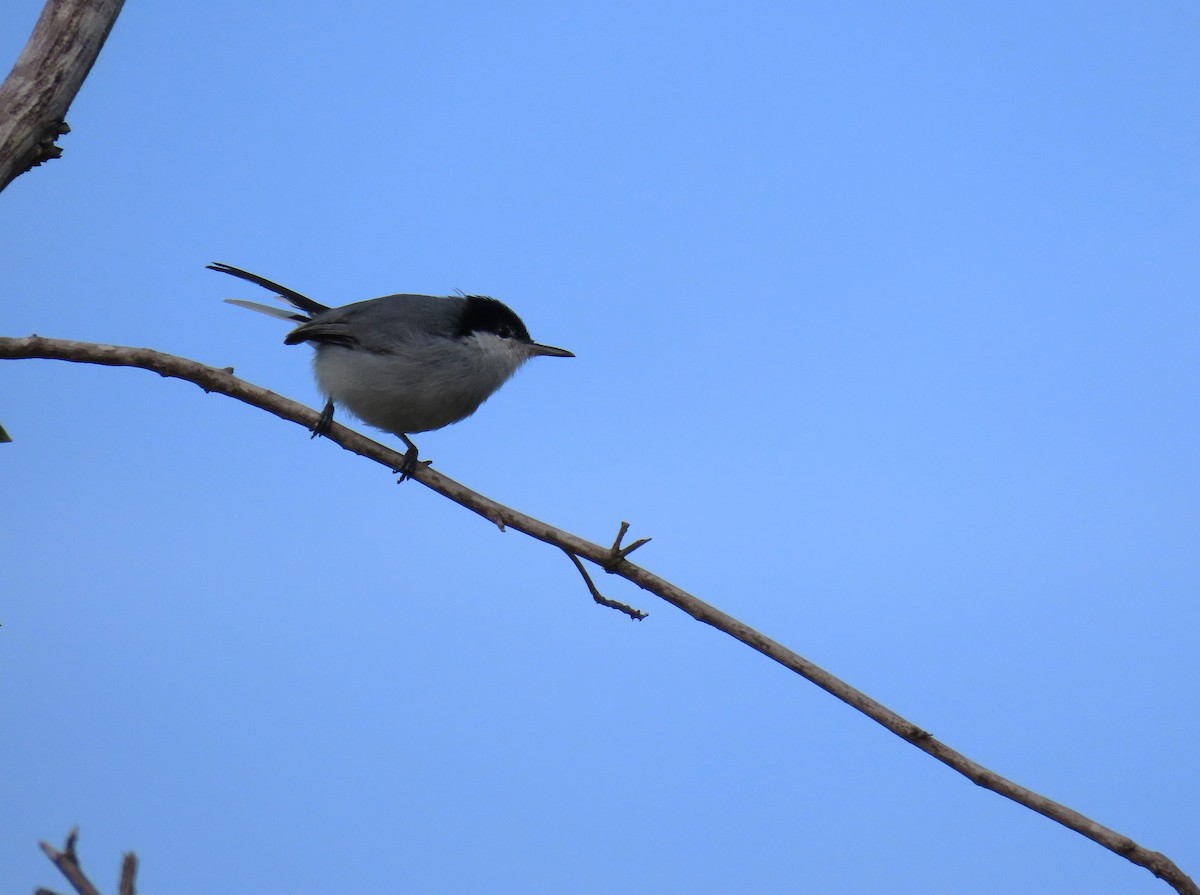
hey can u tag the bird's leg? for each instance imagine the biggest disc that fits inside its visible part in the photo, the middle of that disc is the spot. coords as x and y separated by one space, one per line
410 459
325 420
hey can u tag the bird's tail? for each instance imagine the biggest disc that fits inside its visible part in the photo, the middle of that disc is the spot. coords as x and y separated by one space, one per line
295 299
281 313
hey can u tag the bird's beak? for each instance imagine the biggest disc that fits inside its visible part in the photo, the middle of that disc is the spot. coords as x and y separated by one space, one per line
548 351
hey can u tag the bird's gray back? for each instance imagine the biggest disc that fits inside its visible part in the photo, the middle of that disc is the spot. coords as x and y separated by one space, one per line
390 323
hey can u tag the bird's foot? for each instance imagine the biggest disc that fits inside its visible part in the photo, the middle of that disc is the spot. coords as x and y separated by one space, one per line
324 421
410 464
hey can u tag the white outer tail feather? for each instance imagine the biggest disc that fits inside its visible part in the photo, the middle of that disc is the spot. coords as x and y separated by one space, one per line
281 313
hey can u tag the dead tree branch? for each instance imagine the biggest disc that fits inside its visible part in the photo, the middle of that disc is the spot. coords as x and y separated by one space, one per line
42 85
612 559
67 861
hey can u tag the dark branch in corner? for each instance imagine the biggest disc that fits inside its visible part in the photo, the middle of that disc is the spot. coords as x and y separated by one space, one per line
34 98
612 559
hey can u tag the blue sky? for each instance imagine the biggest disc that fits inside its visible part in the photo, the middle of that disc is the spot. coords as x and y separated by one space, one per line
887 331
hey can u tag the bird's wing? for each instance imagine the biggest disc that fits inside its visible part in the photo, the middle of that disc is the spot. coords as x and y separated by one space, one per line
325 333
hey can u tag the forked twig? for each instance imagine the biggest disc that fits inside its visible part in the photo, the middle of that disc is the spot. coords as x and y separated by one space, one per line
618 553
67 862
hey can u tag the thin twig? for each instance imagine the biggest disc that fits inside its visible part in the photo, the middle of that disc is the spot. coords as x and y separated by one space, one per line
616 547
635 614
217 380
640 542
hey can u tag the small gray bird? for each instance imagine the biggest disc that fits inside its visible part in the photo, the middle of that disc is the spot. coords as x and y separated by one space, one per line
404 363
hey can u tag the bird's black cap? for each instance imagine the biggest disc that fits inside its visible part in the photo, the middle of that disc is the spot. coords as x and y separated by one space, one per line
482 314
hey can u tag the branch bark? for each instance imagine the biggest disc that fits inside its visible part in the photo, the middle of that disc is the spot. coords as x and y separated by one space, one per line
611 559
67 862
48 74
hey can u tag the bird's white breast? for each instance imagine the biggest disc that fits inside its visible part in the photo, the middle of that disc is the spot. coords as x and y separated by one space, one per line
419 388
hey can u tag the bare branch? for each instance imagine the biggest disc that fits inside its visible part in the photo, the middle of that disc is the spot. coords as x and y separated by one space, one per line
42 85
68 864
67 861
129 867
223 381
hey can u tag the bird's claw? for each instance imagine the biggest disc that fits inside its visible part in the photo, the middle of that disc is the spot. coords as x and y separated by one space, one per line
409 466
324 421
